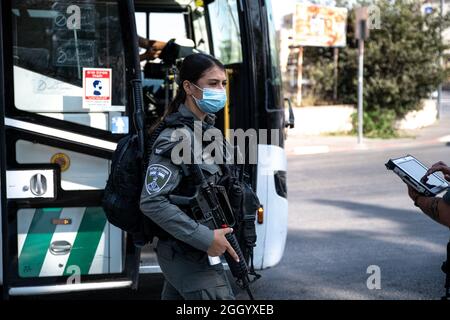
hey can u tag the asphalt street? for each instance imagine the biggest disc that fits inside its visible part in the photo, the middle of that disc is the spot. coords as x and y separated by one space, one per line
347 212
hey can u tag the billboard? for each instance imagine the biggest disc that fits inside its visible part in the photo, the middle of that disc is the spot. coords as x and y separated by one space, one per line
319 26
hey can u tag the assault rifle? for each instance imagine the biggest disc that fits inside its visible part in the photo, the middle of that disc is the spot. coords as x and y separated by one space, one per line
216 213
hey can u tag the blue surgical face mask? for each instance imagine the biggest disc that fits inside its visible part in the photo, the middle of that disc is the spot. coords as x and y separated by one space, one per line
213 100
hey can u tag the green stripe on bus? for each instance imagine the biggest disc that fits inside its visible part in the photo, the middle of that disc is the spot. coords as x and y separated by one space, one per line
87 240
37 241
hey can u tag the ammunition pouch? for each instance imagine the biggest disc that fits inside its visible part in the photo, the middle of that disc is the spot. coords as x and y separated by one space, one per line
245 204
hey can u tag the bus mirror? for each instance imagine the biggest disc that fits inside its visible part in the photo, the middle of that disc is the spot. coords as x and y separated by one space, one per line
291 120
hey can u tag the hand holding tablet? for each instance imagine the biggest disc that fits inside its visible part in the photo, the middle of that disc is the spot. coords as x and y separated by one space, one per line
418 176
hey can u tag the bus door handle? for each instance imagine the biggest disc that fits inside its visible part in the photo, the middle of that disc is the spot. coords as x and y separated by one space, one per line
61 247
38 184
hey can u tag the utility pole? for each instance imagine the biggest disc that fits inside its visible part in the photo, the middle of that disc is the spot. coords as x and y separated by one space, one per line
360 89
336 61
361 34
439 99
299 75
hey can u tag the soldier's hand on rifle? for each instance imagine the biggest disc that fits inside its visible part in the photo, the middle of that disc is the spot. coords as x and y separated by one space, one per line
220 244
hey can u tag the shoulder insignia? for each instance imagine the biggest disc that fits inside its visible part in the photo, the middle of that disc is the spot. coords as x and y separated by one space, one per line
156 178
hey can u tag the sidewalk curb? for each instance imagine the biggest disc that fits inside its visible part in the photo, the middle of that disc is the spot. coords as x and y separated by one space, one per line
327 148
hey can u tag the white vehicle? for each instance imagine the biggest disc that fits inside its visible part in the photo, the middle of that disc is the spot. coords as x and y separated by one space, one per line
65 102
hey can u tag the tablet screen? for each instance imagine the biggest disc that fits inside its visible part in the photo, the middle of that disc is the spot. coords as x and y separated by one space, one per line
417 171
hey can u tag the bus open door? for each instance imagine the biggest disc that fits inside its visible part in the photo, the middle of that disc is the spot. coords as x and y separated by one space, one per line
241 34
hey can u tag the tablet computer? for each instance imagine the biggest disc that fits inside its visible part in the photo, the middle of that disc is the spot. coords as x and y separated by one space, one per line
412 172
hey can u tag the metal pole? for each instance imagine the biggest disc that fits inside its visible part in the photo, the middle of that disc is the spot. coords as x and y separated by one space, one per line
360 90
439 102
335 58
299 76
439 99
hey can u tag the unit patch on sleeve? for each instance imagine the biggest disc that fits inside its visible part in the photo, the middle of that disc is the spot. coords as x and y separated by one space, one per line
157 177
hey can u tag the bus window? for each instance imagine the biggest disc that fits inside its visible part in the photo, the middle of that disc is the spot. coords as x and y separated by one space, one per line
141 27
159 26
225 31
200 31
141 24
273 100
273 43
53 42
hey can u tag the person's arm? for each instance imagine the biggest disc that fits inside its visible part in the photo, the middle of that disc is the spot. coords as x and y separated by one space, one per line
161 179
434 207
143 42
153 47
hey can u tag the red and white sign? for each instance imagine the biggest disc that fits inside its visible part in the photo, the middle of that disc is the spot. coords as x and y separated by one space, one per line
96 88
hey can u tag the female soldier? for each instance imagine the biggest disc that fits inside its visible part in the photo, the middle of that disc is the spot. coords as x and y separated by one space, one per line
183 252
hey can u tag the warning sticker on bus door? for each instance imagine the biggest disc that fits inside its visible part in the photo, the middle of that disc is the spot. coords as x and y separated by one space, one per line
96 88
